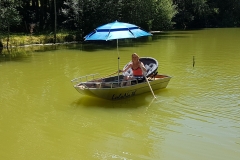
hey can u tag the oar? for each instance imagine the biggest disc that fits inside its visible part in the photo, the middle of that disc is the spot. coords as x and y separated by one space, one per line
150 87
150 104
148 83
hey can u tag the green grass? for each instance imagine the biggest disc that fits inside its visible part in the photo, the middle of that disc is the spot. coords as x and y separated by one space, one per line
20 39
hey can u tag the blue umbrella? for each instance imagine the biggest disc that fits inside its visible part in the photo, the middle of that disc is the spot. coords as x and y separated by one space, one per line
116 30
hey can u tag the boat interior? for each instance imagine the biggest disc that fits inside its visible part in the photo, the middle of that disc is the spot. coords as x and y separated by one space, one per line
95 81
110 82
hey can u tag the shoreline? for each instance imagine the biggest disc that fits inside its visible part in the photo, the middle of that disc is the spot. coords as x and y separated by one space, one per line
42 44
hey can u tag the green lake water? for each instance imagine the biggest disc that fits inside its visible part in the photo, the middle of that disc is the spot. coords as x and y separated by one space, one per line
197 117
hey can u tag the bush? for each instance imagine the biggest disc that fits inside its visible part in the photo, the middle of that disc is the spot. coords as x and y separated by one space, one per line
69 38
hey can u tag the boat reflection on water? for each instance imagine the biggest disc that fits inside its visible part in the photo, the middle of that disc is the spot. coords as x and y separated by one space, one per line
133 102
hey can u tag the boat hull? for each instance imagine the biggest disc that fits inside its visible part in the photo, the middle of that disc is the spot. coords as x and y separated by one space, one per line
121 92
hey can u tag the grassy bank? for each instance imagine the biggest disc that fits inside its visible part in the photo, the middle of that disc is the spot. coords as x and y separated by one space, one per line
20 39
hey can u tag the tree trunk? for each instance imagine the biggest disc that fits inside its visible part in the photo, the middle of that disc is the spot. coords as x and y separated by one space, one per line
55 22
8 35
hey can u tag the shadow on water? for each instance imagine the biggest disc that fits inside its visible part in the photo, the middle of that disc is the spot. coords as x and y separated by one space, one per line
133 102
91 46
14 54
174 34
24 53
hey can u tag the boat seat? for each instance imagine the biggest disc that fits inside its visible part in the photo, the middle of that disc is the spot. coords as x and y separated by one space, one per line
151 68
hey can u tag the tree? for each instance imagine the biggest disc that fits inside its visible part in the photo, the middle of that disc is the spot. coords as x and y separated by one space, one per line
192 13
229 13
72 12
9 15
164 11
138 12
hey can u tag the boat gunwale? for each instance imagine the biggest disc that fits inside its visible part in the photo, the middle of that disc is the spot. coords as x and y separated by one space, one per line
111 83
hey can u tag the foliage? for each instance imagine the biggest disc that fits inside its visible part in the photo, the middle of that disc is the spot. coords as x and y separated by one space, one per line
164 13
191 13
228 13
73 12
82 16
207 13
9 15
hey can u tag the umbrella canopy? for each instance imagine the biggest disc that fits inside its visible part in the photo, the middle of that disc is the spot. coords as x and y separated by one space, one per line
116 30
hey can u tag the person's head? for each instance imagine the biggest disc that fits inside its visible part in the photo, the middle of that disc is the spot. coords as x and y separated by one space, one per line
135 57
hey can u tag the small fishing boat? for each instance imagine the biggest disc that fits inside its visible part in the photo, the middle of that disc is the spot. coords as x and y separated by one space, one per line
114 88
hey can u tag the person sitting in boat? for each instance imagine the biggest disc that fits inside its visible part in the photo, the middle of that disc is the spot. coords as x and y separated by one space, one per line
138 70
